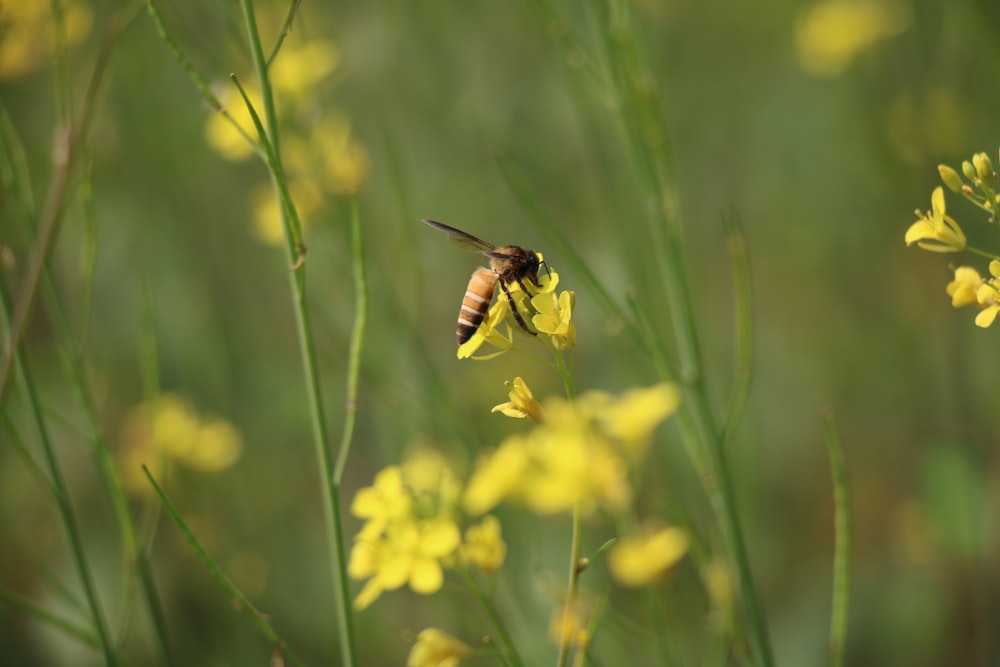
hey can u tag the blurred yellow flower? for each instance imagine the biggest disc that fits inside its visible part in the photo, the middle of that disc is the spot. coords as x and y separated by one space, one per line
435 648
633 417
642 559
964 287
219 131
830 34
26 33
484 546
936 231
410 534
266 210
298 68
720 584
169 430
522 403
578 456
344 159
569 626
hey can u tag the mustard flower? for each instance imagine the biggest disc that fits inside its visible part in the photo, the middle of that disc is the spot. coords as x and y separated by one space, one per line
411 534
578 456
963 288
408 552
831 34
26 27
220 133
554 318
435 648
171 430
936 231
299 68
569 626
522 403
484 546
988 297
642 559
500 313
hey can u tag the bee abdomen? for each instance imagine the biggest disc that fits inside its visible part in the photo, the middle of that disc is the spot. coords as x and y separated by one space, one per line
475 303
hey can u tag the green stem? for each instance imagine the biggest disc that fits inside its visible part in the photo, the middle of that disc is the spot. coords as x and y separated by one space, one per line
330 483
357 340
566 639
508 649
240 601
62 496
842 547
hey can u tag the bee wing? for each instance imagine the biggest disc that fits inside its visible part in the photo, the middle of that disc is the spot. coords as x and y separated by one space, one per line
462 239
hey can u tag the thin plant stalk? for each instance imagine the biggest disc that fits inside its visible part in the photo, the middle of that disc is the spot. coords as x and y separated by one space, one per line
240 601
62 497
842 545
641 118
293 235
357 340
508 650
566 639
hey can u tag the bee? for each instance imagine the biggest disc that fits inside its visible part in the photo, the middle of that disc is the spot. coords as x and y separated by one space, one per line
508 264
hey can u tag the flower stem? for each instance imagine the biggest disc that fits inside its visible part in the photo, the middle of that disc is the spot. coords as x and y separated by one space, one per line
566 638
508 650
293 236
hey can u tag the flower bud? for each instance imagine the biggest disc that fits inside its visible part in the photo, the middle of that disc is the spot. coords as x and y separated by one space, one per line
969 170
950 178
984 168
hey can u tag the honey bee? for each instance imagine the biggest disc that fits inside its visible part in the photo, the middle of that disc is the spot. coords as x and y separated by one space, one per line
508 264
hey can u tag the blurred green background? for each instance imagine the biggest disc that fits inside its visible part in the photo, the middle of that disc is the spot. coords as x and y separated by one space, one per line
822 157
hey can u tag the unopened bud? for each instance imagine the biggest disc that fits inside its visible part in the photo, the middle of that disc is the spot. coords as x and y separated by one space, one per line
950 178
984 168
969 170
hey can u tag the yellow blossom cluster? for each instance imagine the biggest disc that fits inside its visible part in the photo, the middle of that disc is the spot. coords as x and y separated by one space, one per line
169 430
411 532
938 232
26 30
549 314
319 151
578 454
435 648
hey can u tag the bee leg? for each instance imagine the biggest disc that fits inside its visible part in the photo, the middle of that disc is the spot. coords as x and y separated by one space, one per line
513 307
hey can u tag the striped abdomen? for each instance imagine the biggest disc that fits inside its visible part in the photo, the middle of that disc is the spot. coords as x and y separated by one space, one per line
475 303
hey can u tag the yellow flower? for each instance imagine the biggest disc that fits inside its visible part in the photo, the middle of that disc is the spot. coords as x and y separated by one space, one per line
409 552
642 559
435 648
963 288
170 430
569 626
344 162
553 318
936 231
298 68
266 211
579 455
26 33
988 297
219 130
384 502
484 546
500 313
633 417
410 533
497 475
522 403
830 34
720 584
